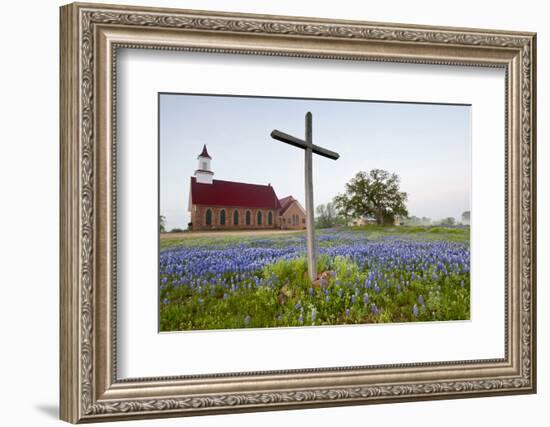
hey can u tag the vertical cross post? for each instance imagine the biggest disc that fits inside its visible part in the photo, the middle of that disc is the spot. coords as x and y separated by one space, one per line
309 149
310 224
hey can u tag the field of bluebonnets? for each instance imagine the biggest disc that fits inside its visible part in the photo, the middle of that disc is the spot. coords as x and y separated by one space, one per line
366 275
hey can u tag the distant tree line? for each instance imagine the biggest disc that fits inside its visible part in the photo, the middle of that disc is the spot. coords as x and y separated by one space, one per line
375 196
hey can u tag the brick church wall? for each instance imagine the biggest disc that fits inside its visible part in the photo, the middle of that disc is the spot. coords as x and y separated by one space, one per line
294 218
198 218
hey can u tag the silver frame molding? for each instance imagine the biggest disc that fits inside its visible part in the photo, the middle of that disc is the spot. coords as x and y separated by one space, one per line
90 37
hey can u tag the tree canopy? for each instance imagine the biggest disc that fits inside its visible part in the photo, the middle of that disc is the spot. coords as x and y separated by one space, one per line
327 216
374 194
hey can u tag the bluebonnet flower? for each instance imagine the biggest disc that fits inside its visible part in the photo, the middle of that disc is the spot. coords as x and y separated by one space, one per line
165 301
420 300
366 298
221 269
347 312
415 311
310 292
327 298
297 305
373 308
313 314
247 320
300 318
353 298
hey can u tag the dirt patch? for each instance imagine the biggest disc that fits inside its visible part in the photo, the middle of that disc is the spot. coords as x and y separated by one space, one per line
247 233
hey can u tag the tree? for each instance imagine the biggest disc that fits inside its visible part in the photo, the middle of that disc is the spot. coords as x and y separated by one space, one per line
162 223
426 221
449 221
327 216
374 194
412 220
466 217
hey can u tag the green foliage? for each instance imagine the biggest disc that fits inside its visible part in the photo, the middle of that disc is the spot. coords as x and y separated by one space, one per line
373 194
449 221
327 216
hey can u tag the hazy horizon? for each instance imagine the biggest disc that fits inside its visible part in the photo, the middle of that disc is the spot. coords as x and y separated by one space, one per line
427 145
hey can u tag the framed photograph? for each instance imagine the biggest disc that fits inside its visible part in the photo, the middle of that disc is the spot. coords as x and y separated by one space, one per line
267 212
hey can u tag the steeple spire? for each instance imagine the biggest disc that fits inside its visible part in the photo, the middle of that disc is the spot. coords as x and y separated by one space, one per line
204 174
204 152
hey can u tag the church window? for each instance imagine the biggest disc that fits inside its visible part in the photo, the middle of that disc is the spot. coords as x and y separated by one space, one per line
270 218
247 217
209 217
259 220
236 217
222 217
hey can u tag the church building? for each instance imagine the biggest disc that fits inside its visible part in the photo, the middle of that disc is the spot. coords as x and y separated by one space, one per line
228 205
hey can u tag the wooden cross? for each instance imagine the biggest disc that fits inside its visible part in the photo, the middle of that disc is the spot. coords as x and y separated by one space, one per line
309 148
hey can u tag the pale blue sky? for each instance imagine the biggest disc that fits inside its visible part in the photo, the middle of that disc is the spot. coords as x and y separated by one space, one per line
427 145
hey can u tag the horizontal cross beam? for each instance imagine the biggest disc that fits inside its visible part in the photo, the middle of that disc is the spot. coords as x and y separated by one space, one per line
297 142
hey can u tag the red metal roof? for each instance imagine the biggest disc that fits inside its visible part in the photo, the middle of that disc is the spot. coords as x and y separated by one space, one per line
204 152
229 193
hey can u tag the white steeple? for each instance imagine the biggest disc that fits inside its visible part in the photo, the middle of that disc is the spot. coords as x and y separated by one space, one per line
203 173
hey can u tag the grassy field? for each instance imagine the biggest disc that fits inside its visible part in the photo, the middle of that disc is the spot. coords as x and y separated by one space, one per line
368 274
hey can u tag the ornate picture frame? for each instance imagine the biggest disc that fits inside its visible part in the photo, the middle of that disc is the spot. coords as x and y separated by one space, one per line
90 37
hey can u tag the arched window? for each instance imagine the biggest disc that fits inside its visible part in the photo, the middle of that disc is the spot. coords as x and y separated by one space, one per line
222 217
247 217
259 218
209 217
270 218
236 217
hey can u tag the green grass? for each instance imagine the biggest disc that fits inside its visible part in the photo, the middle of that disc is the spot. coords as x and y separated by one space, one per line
372 232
